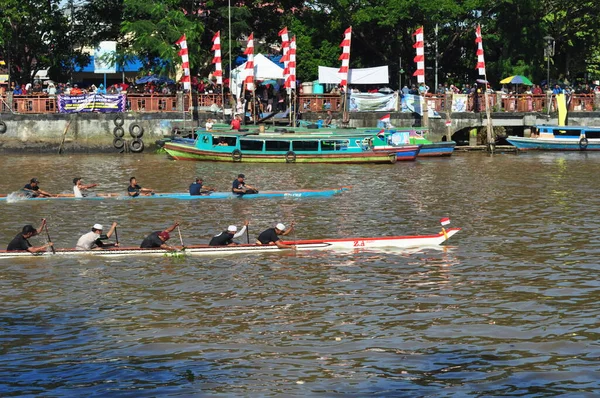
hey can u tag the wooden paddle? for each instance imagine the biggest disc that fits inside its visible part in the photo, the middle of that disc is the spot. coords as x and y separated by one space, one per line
49 239
248 233
116 236
180 237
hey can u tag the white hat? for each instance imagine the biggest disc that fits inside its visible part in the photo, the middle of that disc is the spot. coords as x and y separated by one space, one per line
280 227
97 226
232 228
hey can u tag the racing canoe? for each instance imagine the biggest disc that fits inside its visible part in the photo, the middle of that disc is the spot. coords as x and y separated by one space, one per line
398 242
292 194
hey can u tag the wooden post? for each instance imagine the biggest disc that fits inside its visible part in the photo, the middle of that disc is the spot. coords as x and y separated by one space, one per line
491 145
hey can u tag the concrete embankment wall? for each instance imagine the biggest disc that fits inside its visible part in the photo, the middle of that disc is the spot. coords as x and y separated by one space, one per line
84 132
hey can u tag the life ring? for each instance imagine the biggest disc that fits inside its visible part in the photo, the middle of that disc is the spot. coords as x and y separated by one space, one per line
290 157
236 155
2 127
136 130
393 158
119 120
118 142
583 143
136 145
118 132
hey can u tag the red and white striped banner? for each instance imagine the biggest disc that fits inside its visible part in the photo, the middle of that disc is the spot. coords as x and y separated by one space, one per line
345 58
250 63
420 58
290 80
185 62
217 58
480 59
285 48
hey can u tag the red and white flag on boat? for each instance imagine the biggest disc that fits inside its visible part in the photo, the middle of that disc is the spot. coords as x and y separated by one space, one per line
480 58
420 57
250 63
445 221
217 58
185 62
385 118
345 58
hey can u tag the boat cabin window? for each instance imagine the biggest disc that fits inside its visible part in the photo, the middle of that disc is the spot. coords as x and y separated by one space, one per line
277 146
251 145
299 146
592 133
337 145
223 141
568 133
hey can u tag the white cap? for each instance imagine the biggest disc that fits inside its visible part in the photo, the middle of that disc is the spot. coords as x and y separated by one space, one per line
232 228
97 226
280 227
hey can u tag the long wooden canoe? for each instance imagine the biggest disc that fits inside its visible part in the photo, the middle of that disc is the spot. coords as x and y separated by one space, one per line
399 242
292 194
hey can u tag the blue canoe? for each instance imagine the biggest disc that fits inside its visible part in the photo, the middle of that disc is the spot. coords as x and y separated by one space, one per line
296 194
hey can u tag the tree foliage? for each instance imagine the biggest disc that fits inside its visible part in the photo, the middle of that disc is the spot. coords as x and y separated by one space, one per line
38 34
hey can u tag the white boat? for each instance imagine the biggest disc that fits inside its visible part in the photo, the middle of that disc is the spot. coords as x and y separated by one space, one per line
398 242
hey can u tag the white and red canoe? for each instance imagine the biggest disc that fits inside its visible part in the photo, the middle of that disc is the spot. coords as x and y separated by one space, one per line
398 242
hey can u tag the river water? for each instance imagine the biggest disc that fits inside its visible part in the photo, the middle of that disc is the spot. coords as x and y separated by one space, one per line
509 307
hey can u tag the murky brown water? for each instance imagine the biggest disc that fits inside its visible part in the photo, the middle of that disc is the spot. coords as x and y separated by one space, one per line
509 309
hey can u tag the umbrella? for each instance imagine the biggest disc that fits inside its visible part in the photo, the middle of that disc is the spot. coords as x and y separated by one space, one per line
516 79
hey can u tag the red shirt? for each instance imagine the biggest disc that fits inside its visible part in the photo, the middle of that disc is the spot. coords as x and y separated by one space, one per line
236 124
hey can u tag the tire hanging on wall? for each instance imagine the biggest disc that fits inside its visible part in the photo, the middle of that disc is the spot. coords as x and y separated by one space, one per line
118 132
136 130
119 120
118 142
136 145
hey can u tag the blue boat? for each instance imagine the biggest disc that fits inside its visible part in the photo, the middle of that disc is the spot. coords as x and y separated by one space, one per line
559 138
292 194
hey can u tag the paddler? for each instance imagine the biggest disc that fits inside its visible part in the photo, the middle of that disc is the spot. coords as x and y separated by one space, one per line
198 188
79 186
32 190
226 238
135 190
271 236
21 242
240 187
158 239
93 240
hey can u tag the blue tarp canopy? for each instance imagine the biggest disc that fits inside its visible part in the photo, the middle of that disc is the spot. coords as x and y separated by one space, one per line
154 79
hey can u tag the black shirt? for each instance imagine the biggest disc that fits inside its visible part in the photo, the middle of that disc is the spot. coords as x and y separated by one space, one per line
237 184
18 243
32 188
195 188
268 236
135 189
152 241
223 239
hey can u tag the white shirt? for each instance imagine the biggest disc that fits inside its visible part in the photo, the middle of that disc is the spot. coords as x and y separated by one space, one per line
87 241
77 192
240 232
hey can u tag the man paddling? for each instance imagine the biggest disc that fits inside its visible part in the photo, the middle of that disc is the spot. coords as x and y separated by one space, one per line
158 239
226 238
32 190
135 190
21 242
198 188
270 236
240 187
79 186
93 240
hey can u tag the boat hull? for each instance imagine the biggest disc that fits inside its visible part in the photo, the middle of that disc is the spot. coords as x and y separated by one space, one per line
296 194
182 151
403 153
398 242
437 149
553 144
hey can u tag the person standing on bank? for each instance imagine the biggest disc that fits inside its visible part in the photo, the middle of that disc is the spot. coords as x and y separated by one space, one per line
270 236
239 186
135 190
78 186
32 190
93 240
198 188
21 242
158 239
226 238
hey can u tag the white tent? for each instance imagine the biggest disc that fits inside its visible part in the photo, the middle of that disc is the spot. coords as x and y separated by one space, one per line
376 75
264 69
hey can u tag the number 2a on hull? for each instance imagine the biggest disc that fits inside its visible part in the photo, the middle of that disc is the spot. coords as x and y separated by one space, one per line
359 243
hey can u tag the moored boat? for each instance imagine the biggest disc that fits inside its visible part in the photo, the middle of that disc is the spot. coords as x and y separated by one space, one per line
291 194
283 147
397 242
559 138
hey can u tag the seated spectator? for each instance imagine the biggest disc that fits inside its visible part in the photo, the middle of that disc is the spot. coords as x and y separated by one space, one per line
76 90
51 89
101 89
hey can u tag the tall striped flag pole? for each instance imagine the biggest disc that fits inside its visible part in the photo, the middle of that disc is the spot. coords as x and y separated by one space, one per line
185 64
249 81
420 56
345 68
290 82
481 66
285 48
218 65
